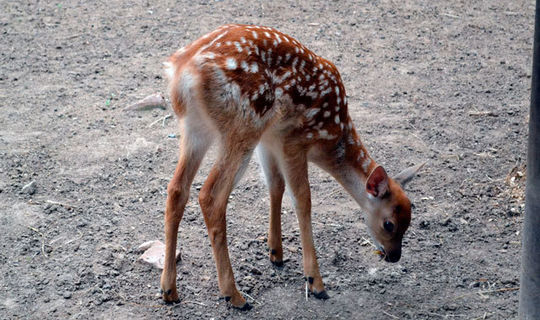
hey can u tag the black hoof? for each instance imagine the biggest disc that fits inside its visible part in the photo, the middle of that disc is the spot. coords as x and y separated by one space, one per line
168 293
321 295
278 263
245 307
171 302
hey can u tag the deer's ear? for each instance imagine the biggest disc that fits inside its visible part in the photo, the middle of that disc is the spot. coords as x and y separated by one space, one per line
408 174
377 182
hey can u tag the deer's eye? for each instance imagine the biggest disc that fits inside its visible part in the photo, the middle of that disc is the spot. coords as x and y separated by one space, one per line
388 226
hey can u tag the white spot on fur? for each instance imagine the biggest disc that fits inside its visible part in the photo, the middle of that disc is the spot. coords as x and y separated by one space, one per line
267 34
254 67
238 47
309 135
336 119
312 112
270 57
323 134
287 56
244 66
231 63
325 92
255 36
326 114
243 40
313 94
278 93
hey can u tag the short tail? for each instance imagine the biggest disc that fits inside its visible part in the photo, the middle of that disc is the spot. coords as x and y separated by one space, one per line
172 76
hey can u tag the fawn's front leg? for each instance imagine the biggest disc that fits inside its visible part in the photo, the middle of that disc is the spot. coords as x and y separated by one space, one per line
296 174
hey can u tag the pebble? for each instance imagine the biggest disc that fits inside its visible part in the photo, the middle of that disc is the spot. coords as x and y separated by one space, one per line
256 271
29 188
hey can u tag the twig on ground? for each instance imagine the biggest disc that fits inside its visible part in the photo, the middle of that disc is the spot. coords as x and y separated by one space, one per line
306 290
165 120
390 315
451 15
253 299
498 290
73 36
487 291
162 119
67 205
447 315
194 302
42 240
483 113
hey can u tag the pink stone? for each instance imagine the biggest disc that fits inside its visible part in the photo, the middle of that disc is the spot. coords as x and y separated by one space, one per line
154 253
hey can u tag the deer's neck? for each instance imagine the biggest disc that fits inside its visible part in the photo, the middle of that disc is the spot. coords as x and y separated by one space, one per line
353 167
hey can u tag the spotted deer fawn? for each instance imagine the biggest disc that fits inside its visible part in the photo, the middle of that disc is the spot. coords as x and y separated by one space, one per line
255 88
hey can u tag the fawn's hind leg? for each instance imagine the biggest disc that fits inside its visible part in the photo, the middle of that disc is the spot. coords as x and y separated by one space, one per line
193 146
213 199
276 187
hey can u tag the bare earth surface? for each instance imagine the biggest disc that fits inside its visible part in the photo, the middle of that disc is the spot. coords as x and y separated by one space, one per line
426 80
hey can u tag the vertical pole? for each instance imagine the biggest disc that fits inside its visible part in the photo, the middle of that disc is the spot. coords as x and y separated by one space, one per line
529 296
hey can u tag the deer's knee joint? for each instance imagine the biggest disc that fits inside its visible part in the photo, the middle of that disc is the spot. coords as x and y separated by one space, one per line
177 193
205 199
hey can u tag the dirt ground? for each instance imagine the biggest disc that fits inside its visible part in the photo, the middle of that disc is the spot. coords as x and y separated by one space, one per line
446 82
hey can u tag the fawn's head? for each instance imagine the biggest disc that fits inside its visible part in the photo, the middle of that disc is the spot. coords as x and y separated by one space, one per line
390 213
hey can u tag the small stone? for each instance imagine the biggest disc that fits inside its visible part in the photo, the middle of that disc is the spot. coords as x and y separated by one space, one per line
67 295
450 307
154 253
256 271
29 188
446 222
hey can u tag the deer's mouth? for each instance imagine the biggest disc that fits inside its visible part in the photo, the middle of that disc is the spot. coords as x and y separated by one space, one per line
380 251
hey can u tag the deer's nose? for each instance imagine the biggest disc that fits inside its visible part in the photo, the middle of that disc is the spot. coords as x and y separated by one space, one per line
393 256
